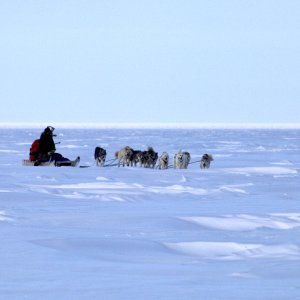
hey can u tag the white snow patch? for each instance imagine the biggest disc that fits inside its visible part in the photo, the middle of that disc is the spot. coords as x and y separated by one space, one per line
289 216
235 188
135 188
9 151
235 251
247 222
232 189
4 217
282 163
101 178
183 179
263 170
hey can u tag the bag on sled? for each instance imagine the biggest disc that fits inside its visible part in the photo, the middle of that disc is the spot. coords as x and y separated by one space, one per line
34 150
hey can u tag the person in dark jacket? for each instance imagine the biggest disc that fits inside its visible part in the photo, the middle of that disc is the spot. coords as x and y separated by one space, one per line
46 151
47 145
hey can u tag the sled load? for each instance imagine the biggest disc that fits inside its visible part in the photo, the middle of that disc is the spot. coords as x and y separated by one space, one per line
33 154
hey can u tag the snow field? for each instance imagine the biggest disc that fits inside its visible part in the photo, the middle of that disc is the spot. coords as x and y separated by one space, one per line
229 232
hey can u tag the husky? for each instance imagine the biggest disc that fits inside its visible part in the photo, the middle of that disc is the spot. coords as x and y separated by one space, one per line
148 158
181 160
100 156
163 161
124 155
135 158
205 161
139 158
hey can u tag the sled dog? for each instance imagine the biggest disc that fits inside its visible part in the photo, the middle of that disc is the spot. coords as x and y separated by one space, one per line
149 158
135 158
163 161
124 156
181 160
205 161
100 156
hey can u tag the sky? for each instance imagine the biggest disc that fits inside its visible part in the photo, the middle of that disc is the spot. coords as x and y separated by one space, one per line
225 61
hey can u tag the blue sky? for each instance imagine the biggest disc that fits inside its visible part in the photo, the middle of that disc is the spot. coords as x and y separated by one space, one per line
150 61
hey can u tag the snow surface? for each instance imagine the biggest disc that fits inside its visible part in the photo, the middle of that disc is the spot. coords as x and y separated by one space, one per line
229 232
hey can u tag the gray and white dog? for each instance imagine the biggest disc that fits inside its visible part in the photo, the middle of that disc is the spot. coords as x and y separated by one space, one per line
100 156
163 161
205 161
181 160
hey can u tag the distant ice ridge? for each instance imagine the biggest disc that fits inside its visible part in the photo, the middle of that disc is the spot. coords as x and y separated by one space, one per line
154 125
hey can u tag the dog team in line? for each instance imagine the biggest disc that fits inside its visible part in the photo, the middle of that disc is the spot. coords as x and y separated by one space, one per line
149 158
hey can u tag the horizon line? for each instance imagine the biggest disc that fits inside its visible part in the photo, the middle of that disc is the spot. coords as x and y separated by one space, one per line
149 125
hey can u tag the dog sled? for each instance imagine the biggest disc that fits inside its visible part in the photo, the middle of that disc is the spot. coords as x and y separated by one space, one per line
67 163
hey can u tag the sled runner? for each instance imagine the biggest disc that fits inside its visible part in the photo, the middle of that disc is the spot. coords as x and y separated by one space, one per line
27 162
64 163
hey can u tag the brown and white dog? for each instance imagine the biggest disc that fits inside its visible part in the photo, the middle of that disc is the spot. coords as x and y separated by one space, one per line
163 161
205 161
181 160
100 156
124 155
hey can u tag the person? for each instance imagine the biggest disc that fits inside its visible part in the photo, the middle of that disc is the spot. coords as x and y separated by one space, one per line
46 150
46 146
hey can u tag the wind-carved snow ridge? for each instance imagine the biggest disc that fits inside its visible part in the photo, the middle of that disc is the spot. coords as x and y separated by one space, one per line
238 251
4 217
235 251
102 188
235 188
282 163
247 222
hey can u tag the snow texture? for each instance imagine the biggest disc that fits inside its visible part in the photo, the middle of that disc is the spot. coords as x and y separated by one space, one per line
229 232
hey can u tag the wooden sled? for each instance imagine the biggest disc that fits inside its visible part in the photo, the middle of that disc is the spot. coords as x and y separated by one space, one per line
70 163
27 162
